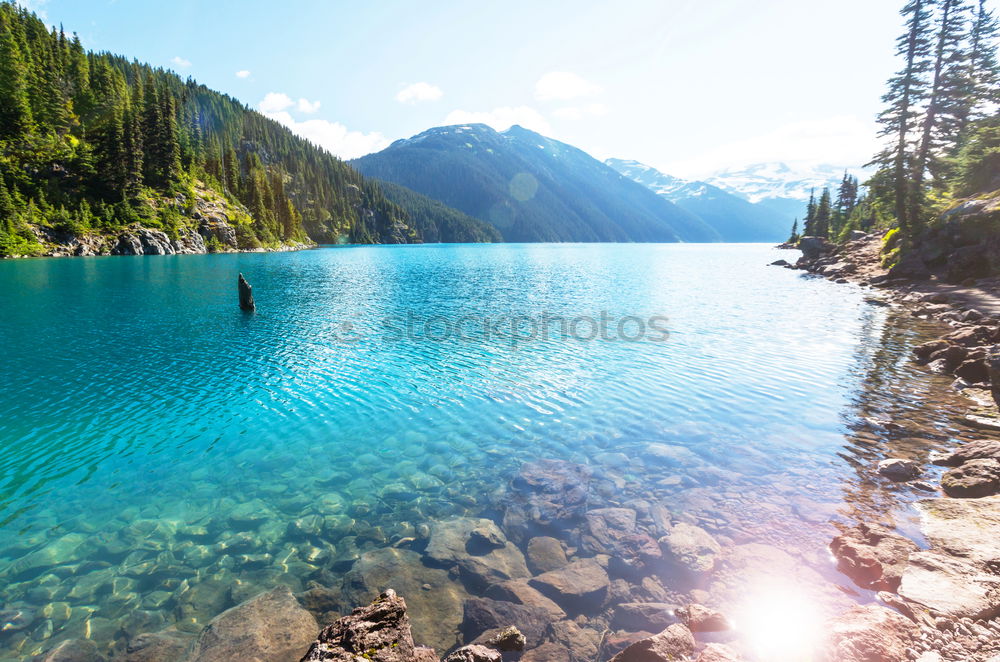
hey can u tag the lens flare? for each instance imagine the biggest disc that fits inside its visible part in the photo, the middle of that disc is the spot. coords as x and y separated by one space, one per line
780 624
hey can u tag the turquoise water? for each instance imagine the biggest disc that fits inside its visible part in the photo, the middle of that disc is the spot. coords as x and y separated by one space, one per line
154 436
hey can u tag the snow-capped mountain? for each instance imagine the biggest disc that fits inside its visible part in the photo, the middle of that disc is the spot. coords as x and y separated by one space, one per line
779 186
732 216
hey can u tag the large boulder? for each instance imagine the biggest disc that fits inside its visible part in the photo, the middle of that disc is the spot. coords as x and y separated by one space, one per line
869 634
968 262
480 550
613 531
973 450
167 646
966 528
975 478
519 591
873 556
474 653
435 598
814 247
271 627
580 586
674 644
379 632
691 546
545 553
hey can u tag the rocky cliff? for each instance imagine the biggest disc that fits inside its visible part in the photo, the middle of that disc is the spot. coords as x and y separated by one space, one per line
201 222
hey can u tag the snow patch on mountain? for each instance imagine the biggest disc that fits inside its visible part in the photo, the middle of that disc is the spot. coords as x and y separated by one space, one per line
770 181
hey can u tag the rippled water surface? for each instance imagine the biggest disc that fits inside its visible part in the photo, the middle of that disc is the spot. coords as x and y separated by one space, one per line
157 443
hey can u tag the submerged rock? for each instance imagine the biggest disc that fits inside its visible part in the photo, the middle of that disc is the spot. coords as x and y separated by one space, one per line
973 450
157 647
271 627
673 644
546 495
691 546
545 553
485 615
699 618
869 634
520 592
579 586
379 632
898 469
479 549
718 653
507 639
646 616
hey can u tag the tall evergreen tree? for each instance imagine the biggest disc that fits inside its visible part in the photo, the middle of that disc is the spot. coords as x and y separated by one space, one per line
794 236
809 225
823 215
981 82
15 107
907 90
946 90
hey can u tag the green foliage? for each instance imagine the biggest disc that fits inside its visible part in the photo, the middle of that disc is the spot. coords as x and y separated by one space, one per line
94 142
437 222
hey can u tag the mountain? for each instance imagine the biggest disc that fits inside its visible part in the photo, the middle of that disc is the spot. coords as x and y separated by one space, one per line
99 153
531 188
734 218
780 187
436 222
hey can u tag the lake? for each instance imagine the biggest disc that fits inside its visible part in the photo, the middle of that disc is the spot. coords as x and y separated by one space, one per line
166 455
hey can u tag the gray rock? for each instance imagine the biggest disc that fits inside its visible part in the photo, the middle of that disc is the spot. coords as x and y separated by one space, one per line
481 615
579 586
582 643
673 644
613 531
545 553
379 632
646 616
507 639
699 618
691 547
814 247
869 634
478 548
974 478
898 469
520 592
545 495
271 627
474 653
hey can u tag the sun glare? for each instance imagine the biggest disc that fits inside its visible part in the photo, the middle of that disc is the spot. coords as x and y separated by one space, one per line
780 624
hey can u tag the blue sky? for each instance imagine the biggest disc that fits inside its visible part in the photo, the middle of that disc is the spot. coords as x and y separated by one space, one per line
688 86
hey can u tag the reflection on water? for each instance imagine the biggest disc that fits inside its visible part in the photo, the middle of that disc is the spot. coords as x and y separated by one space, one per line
165 456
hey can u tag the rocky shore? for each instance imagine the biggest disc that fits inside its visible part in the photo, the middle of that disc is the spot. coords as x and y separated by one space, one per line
210 227
948 586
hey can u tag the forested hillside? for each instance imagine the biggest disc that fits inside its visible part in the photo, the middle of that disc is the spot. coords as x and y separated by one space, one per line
91 143
938 178
437 222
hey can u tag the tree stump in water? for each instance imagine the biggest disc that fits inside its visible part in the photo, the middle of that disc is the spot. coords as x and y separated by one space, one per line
246 294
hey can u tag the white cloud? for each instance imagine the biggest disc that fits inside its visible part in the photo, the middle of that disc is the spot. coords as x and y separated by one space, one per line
579 112
563 86
844 140
332 136
502 118
307 106
274 102
243 73
35 6
419 92
181 62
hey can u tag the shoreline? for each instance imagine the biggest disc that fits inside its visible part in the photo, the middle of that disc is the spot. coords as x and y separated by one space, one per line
949 588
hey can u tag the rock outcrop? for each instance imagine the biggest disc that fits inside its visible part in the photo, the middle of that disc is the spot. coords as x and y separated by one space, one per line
379 632
869 634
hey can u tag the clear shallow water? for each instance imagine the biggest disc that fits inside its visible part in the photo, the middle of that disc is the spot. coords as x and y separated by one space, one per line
156 437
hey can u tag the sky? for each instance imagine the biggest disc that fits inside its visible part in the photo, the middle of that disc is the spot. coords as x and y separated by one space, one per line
687 86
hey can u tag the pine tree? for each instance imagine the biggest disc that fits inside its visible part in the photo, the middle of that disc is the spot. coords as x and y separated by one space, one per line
938 125
794 236
823 215
809 225
907 90
982 76
15 106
